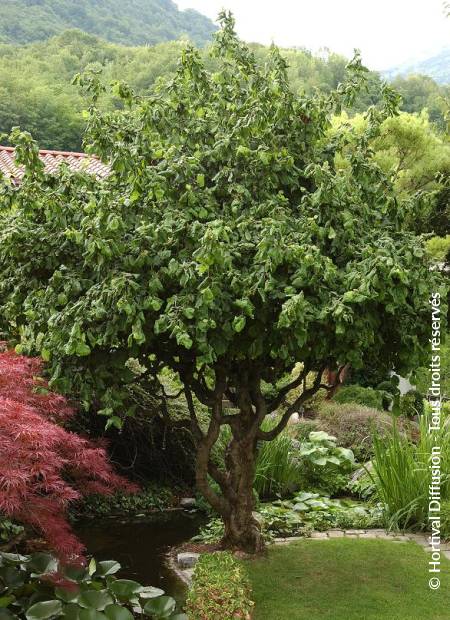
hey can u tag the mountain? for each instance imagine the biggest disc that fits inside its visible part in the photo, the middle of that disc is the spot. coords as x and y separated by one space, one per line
436 67
129 22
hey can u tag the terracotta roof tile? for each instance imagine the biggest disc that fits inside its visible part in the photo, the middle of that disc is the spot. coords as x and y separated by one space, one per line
52 160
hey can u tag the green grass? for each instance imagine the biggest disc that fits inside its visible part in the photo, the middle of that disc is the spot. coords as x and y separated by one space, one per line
347 580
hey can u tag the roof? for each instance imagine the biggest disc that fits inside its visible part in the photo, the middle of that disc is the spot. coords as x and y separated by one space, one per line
78 162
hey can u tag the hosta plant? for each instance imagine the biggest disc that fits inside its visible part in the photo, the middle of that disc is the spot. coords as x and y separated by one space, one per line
322 464
37 587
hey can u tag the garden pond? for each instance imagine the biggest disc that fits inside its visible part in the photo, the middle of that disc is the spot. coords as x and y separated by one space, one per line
140 544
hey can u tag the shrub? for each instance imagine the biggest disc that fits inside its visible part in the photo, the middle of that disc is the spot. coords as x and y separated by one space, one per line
37 587
360 395
43 467
353 426
411 404
438 247
220 589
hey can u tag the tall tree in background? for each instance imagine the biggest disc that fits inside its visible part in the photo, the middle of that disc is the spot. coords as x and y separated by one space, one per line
225 246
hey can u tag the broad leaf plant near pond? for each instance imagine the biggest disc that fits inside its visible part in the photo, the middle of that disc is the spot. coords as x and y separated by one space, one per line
225 246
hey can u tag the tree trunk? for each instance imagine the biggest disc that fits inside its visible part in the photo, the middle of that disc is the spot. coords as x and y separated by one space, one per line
242 530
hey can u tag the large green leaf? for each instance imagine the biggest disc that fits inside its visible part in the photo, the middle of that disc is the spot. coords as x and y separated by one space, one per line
42 563
95 599
44 610
125 588
107 567
150 592
161 607
91 614
116 612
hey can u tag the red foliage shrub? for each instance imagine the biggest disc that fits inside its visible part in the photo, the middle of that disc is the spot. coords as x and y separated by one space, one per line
44 467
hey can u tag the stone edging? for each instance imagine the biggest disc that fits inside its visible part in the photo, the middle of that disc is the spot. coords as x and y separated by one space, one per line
420 539
184 568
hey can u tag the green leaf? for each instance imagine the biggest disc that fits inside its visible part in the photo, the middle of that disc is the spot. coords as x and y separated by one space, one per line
42 563
6 600
150 592
160 607
189 312
82 349
184 339
116 612
92 566
201 180
107 567
91 614
66 595
44 610
126 588
239 323
95 599
71 612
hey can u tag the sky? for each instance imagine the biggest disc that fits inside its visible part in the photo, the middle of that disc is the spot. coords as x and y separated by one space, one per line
388 32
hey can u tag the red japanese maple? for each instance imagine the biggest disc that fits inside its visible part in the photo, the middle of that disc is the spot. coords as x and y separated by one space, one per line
44 467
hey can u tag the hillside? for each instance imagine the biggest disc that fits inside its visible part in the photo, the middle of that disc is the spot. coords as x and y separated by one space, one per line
130 22
436 67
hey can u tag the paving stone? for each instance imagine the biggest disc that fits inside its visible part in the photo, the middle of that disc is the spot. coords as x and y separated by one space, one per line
377 531
355 532
352 535
416 537
401 538
446 554
336 534
368 535
319 535
187 560
384 536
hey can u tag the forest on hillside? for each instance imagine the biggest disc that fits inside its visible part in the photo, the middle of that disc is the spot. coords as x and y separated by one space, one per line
135 22
36 91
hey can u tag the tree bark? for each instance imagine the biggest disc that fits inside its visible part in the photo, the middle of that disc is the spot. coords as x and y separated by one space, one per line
242 530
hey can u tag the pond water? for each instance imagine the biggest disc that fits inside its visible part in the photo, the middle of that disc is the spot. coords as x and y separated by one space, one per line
140 545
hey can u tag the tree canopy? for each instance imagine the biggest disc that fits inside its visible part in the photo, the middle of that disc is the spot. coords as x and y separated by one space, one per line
226 245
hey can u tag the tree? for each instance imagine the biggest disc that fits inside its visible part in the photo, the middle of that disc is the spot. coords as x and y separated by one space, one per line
417 158
43 467
225 246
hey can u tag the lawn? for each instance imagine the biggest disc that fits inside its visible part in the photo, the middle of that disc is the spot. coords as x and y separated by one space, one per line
348 580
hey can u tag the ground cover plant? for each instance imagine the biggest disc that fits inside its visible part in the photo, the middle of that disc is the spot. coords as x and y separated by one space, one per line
346 580
220 589
225 246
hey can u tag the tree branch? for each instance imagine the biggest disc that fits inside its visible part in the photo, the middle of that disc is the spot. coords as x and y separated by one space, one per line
304 396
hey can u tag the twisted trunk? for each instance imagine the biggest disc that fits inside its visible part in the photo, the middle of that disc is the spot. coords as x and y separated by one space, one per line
242 530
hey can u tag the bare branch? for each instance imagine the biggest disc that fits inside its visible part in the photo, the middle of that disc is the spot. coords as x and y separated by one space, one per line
283 392
304 396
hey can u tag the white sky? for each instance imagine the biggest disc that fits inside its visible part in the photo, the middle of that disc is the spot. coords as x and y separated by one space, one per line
388 32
